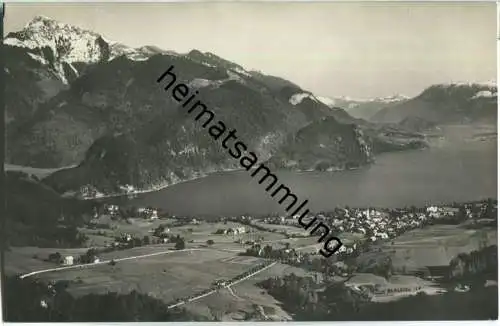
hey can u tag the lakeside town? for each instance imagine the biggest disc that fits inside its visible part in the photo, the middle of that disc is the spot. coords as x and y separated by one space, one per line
136 192
279 239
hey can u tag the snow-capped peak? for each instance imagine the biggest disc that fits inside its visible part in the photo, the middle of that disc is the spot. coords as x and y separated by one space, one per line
326 101
490 84
386 99
391 98
297 98
485 94
70 44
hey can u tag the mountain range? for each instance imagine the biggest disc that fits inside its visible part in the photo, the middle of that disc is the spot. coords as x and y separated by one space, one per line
364 108
440 104
75 98
445 104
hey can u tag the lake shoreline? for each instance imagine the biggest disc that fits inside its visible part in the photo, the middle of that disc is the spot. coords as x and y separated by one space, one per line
211 174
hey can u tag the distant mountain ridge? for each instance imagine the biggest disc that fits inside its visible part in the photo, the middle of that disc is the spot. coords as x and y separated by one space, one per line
363 108
447 103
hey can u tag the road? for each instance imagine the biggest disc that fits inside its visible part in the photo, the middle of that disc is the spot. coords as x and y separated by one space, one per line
228 286
233 294
129 258
106 262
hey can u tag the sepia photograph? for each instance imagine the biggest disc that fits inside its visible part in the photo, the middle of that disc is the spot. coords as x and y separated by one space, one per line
249 161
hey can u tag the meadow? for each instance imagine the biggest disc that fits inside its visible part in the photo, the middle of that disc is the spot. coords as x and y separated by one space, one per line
430 246
246 298
166 277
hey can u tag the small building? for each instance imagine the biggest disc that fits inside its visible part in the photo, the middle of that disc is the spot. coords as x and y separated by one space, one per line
124 237
127 188
112 209
68 260
450 211
148 212
154 214
382 235
432 209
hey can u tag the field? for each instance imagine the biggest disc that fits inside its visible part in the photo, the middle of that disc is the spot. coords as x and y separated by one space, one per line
431 246
168 274
28 259
197 233
166 277
39 173
246 298
290 229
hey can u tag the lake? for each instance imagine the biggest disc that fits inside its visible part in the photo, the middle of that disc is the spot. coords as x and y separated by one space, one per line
459 166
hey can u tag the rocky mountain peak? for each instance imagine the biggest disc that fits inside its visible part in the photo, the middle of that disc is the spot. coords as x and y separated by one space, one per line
43 31
59 46
68 49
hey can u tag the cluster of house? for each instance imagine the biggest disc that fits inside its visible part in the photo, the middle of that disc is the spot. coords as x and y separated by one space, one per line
128 189
378 289
232 231
280 220
89 191
144 212
379 292
148 213
377 224
70 260
112 209
123 238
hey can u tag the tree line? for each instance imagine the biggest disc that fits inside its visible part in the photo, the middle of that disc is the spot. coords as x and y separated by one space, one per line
37 216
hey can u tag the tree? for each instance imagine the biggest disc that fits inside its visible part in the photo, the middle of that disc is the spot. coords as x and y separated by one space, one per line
56 257
159 230
267 251
89 256
137 242
180 243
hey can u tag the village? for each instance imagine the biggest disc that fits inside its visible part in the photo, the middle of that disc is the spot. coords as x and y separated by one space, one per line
373 224
252 236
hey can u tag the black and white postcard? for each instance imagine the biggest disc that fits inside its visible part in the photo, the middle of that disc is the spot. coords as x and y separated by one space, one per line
249 161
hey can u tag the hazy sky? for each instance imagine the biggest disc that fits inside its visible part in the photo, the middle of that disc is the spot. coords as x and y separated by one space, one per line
351 49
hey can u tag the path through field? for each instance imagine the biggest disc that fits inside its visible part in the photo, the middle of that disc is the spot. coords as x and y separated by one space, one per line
105 262
130 258
233 294
227 286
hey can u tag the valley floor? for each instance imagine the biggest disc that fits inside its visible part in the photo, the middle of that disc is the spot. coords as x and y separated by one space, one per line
188 277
